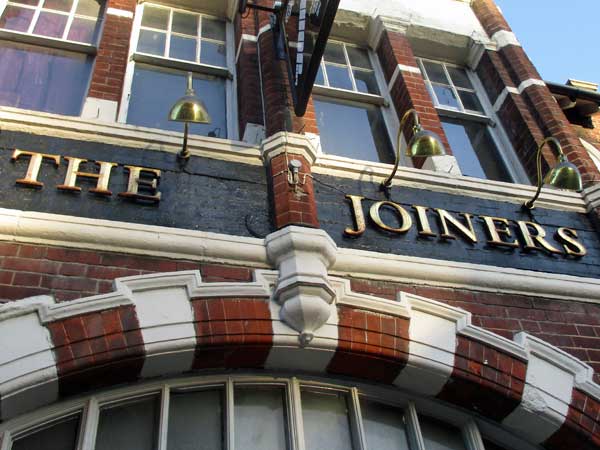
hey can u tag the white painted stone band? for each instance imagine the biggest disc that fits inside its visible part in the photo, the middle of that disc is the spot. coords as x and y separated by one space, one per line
503 38
517 91
119 13
401 68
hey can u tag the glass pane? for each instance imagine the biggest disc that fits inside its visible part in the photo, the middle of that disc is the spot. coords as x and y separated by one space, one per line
459 77
260 419
470 101
196 421
155 17
58 5
338 77
320 80
132 426
435 72
335 53
213 54
356 132
152 42
358 57
89 8
183 48
365 82
326 424
440 436
384 426
50 24
60 435
445 95
491 446
474 149
43 79
213 29
27 2
15 18
155 90
82 30
185 23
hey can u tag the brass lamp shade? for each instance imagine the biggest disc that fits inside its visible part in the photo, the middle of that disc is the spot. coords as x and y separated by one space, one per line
564 176
425 143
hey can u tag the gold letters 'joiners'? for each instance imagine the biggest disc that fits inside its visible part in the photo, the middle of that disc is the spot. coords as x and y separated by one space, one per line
532 239
136 181
358 215
495 227
34 166
568 238
405 219
103 176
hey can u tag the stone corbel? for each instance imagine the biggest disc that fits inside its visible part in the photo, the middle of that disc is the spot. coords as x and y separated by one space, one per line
302 256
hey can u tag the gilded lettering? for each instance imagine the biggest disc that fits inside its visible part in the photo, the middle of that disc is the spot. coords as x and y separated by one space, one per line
568 238
142 177
404 217
423 221
357 215
102 177
532 240
467 231
496 226
33 169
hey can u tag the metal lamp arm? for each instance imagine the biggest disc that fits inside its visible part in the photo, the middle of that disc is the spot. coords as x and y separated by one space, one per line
557 146
388 182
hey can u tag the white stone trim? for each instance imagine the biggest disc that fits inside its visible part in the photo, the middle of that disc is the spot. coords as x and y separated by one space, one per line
291 144
530 82
377 25
37 123
502 97
592 196
119 13
401 68
409 269
503 38
593 152
444 182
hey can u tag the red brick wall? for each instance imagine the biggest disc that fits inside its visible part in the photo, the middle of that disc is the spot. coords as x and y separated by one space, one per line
27 270
570 325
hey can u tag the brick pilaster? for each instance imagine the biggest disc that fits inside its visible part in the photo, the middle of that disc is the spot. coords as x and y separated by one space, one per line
408 90
111 60
548 115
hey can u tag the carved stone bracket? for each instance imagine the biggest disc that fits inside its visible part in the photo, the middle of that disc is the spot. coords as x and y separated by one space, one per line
302 256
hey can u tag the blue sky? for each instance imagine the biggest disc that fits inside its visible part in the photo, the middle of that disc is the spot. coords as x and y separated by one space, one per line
562 38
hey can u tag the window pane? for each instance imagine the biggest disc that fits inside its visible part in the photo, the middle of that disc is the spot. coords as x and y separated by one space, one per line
435 72
82 30
43 79
353 131
60 435
474 149
131 426
365 82
213 54
459 77
88 8
358 57
155 90
50 24
320 80
326 424
196 421
155 17
470 101
183 48
58 5
27 2
152 42
445 95
491 446
384 426
338 77
15 18
260 419
440 436
213 29
185 23
335 53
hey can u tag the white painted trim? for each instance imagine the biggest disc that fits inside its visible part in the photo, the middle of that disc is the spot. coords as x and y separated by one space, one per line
592 196
409 269
503 38
401 68
530 82
502 97
119 13
593 152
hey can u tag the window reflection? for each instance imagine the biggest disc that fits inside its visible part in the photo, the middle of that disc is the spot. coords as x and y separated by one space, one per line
61 435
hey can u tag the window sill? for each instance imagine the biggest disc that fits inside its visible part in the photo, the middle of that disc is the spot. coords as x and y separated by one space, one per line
349 95
182 65
455 114
15 36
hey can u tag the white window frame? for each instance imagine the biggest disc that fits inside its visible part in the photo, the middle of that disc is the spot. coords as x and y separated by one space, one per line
228 73
354 97
89 408
489 117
